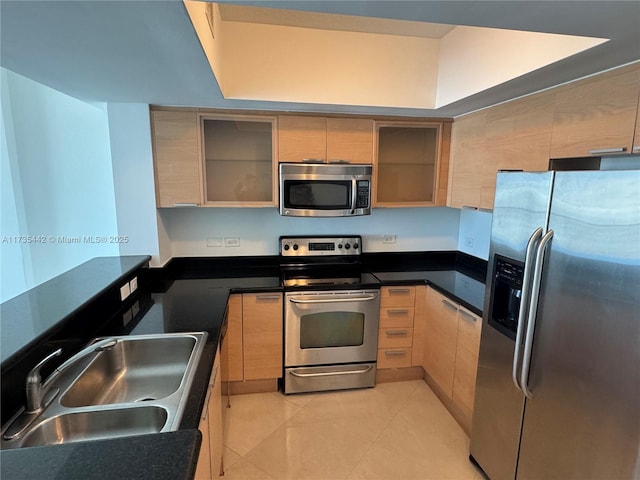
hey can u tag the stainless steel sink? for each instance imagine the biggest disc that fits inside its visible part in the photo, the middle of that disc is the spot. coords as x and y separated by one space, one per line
96 425
132 371
116 386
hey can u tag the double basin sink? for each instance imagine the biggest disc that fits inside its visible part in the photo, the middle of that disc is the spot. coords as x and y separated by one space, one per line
115 387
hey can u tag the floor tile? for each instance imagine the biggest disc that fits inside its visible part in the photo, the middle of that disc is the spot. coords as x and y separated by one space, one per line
393 431
254 417
319 451
245 470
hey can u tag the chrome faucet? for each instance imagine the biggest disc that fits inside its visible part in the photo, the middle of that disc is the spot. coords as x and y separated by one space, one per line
34 384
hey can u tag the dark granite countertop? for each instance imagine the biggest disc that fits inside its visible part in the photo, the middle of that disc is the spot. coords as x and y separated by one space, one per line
36 312
169 456
462 288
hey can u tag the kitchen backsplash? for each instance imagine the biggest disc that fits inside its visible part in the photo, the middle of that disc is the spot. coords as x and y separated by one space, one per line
232 232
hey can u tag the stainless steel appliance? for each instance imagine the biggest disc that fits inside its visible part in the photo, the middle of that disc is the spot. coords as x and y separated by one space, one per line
324 190
331 315
558 386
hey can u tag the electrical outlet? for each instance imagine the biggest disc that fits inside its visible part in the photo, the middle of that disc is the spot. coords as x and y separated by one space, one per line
468 242
231 241
133 284
214 242
388 239
124 291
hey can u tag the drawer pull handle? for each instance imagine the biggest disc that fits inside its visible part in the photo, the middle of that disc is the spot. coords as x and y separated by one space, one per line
470 316
397 333
600 151
397 311
449 304
268 297
185 204
399 290
395 353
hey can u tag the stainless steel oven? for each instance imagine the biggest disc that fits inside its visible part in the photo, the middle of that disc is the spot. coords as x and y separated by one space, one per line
331 315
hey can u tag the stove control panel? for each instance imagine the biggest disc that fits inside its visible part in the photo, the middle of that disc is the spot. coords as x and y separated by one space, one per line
320 246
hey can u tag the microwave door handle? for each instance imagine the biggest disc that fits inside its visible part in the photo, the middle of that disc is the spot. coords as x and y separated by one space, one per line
354 194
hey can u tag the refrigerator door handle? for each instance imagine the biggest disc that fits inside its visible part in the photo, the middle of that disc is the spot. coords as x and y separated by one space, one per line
524 302
533 311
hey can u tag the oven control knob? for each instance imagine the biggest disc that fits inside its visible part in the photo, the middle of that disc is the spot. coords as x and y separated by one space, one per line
347 246
286 247
340 246
355 246
295 246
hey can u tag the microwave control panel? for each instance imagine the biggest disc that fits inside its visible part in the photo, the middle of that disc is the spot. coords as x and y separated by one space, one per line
363 194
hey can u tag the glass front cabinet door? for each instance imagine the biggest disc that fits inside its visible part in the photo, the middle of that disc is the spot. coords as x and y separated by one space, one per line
238 159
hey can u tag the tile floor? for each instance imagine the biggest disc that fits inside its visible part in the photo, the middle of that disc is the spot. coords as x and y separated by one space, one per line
395 431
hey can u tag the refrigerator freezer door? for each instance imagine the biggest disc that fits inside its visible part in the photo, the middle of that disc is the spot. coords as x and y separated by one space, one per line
583 420
520 207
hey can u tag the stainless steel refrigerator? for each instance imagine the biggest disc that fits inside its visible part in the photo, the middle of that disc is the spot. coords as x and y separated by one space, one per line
558 386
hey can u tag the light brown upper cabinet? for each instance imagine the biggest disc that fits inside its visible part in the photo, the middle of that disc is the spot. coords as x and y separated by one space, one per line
238 160
411 165
176 157
512 136
596 116
327 140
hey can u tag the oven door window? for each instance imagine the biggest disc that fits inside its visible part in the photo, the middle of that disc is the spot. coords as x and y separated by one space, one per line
317 194
331 329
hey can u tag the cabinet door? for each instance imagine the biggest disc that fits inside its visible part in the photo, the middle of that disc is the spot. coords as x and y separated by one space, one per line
350 140
232 349
419 326
440 340
406 172
203 468
466 365
239 167
467 151
301 138
216 446
176 158
597 115
518 137
262 335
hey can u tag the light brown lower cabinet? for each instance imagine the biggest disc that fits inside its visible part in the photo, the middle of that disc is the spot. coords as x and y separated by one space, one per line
467 348
210 457
395 333
450 357
253 342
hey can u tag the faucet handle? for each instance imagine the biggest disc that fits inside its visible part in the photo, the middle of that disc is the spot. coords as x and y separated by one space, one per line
34 373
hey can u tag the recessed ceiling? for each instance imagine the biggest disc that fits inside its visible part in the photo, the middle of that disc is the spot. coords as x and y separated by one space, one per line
324 21
266 54
148 51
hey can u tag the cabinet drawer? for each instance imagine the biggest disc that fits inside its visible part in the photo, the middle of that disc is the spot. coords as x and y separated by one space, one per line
396 317
397 296
394 357
395 337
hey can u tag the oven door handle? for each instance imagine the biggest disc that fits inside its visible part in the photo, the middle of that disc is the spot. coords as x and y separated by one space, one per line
334 300
329 374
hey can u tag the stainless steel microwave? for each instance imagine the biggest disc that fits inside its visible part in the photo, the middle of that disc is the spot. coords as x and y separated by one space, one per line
324 190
